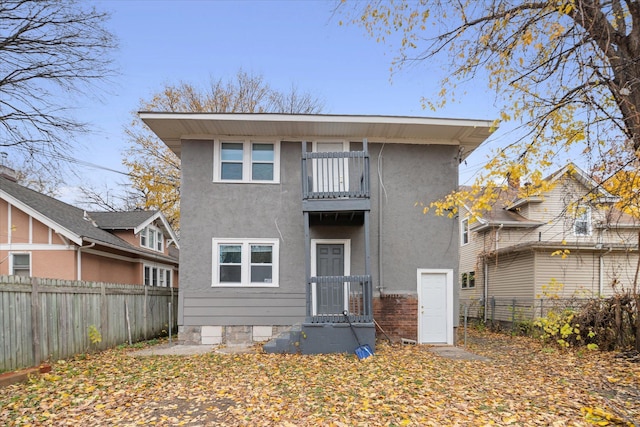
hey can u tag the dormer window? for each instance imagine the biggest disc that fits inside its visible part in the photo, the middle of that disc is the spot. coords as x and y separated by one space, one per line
582 223
152 238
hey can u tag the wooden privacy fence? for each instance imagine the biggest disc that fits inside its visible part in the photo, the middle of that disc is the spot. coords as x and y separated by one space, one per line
47 319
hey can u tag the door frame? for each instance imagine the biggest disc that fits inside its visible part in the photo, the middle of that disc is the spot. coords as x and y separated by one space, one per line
345 163
448 272
314 265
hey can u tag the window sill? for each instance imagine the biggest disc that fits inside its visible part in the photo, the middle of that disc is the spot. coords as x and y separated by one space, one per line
243 285
237 181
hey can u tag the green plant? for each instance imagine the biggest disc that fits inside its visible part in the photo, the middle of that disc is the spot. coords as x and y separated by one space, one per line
95 337
561 327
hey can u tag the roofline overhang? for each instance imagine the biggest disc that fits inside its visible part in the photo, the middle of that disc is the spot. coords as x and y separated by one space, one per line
538 246
133 250
468 133
617 226
57 228
507 224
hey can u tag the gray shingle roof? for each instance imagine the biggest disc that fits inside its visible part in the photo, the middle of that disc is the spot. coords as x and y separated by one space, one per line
121 220
73 219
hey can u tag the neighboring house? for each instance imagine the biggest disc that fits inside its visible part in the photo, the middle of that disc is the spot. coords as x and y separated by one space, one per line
44 237
285 220
569 242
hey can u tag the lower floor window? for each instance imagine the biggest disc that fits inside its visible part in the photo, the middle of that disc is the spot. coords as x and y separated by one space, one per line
157 276
245 262
468 280
21 264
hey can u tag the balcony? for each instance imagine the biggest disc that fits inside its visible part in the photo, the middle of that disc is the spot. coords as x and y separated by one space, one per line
335 183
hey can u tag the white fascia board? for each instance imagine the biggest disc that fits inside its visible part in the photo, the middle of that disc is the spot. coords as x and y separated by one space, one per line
317 118
57 228
508 224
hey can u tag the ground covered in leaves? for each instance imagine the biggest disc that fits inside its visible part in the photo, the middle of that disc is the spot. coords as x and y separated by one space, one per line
524 383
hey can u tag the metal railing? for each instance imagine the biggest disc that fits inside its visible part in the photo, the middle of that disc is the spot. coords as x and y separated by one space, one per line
511 312
329 296
335 175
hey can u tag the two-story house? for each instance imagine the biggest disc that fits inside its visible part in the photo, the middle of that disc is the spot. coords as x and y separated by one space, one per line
44 237
298 219
568 242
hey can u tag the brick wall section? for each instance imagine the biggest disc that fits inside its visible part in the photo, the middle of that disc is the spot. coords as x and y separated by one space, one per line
397 315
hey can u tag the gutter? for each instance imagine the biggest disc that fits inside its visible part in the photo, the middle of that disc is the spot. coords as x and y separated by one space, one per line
149 255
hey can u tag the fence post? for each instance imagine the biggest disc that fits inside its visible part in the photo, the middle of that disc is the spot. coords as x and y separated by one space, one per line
170 322
466 316
144 314
541 308
513 316
493 310
35 321
104 318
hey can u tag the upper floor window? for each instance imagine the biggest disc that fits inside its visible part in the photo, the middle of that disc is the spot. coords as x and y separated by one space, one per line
152 238
246 161
582 223
464 231
21 264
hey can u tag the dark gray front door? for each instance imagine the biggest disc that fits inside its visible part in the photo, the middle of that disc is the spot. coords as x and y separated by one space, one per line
330 262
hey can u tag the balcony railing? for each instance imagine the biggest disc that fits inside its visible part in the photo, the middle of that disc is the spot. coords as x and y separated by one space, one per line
335 175
329 296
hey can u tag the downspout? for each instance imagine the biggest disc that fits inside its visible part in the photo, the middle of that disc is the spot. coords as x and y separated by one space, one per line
380 222
498 235
79 259
486 288
486 274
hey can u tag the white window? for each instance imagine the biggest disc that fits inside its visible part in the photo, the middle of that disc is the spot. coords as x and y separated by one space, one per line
246 161
21 264
157 276
152 238
582 223
464 231
245 262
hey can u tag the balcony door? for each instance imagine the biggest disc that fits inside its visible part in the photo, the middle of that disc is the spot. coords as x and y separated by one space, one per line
331 258
330 175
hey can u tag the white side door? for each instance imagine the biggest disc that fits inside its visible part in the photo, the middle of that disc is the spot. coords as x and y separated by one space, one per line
435 306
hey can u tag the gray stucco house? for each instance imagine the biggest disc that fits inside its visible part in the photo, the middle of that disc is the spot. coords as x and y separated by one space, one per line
294 219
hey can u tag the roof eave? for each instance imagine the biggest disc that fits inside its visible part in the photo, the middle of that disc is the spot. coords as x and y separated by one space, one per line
173 127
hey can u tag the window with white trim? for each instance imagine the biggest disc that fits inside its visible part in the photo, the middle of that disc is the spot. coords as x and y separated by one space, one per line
582 223
157 276
246 161
151 237
245 262
464 231
21 264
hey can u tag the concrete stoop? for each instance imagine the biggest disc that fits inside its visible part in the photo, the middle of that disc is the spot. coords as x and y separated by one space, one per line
322 338
287 342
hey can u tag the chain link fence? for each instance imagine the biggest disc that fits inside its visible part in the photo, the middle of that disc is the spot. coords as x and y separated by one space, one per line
612 319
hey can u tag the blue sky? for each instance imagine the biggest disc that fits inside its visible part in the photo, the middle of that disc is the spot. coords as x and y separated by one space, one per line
287 42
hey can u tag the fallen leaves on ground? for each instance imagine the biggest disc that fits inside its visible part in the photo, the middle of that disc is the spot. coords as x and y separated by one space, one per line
523 384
